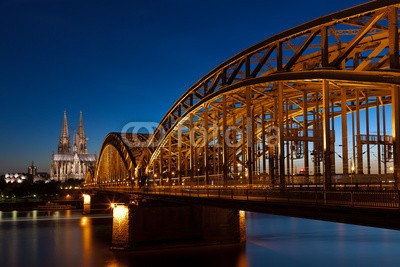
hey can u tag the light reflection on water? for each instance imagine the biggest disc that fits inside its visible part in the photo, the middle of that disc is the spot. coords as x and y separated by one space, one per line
68 238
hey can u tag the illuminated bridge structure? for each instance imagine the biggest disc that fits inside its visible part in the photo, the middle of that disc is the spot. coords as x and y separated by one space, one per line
316 104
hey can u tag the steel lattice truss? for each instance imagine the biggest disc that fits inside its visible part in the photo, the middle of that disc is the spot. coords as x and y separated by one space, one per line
313 100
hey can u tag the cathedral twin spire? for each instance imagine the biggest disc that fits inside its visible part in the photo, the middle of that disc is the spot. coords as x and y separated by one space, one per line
64 145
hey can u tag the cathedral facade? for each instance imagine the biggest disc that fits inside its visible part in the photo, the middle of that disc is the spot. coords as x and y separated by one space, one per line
71 163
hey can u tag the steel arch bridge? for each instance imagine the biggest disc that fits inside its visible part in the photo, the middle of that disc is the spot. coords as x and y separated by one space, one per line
318 104
118 161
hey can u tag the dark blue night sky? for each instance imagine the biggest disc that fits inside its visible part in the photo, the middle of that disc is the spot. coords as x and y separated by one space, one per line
117 61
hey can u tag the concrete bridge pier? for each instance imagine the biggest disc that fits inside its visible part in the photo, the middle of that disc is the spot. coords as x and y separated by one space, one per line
121 226
146 226
86 203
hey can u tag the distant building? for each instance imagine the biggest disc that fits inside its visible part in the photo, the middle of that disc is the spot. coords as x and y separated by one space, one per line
15 177
41 177
73 163
31 176
32 170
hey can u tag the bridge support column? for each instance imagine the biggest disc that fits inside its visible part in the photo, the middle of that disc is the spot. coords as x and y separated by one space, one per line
250 137
345 150
378 130
159 225
327 135
281 147
367 132
121 231
305 134
205 157
263 145
225 159
86 203
179 154
161 168
192 150
396 132
394 64
360 168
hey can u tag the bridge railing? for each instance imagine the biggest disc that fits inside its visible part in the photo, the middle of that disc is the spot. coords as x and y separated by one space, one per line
355 181
306 196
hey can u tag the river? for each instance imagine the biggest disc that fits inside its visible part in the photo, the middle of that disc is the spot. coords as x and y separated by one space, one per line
68 238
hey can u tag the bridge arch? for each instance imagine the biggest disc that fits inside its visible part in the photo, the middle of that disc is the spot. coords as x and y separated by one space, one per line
338 69
318 103
119 160
322 44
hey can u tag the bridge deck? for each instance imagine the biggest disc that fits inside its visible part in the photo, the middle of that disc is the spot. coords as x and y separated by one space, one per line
366 207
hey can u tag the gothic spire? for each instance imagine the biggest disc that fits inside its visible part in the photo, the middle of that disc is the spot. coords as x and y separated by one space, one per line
81 144
64 131
81 132
64 144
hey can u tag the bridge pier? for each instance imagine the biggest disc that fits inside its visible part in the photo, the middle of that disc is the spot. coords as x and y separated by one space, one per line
147 226
122 217
86 203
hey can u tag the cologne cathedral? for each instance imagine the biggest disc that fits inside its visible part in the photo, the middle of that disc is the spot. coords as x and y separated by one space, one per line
73 163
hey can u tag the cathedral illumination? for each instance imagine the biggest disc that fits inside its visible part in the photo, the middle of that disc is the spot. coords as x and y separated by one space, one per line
73 163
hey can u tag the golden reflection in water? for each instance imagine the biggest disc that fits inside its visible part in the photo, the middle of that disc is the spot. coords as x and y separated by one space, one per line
14 215
1 215
242 226
34 247
84 221
56 214
242 261
87 245
34 214
112 263
68 238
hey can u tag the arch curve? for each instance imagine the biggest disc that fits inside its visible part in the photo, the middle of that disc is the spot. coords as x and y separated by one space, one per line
295 84
125 158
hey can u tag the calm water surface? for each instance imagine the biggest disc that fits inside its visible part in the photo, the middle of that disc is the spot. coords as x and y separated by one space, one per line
68 238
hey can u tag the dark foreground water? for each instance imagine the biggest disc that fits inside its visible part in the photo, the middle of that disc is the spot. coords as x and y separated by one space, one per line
67 238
